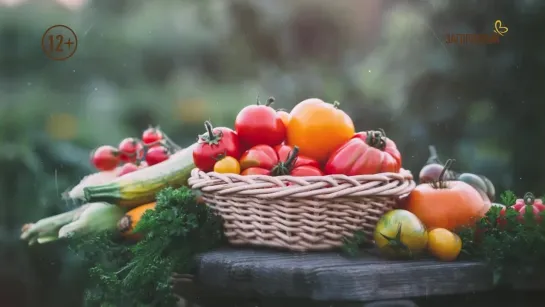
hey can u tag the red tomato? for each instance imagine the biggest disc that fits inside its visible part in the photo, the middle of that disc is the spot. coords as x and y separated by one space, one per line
127 168
152 135
284 151
105 158
131 149
361 157
306 170
260 156
157 154
260 124
214 144
526 204
281 160
255 171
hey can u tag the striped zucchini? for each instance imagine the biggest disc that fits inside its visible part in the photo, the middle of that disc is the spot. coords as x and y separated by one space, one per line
140 187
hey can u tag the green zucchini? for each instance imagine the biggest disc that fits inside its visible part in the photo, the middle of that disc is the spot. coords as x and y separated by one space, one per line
140 187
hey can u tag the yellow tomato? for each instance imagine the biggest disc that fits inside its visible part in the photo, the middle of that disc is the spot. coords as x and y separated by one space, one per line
400 234
444 244
227 165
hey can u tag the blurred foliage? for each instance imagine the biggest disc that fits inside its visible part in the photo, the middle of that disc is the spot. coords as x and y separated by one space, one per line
177 63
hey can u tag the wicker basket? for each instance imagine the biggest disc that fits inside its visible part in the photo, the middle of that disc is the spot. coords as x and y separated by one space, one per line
299 213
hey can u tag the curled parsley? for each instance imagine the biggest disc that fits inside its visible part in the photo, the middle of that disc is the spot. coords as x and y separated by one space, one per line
123 274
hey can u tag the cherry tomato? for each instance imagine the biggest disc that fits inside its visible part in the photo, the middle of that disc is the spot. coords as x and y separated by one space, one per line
157 154
214 144
260 124
227 165
444 244
130 150
127 168
152 135
105 158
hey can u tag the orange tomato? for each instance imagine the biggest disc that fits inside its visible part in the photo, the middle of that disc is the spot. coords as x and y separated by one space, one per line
447 204
318 128
444 244
227 165
284 116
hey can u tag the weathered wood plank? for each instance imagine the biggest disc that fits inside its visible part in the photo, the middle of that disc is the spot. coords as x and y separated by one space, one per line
333 277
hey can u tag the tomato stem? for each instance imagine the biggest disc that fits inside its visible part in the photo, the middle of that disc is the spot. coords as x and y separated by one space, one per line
441 183
285 167
292 158
336 104
529 198
376 139
270 101
210 137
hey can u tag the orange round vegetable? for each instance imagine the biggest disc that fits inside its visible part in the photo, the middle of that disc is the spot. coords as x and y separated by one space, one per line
447 204
318 128
227 165
128 222
444 244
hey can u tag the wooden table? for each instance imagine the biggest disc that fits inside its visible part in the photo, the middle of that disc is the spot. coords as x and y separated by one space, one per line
332 277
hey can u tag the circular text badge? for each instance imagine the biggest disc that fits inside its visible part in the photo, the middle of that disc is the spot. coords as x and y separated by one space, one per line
59 42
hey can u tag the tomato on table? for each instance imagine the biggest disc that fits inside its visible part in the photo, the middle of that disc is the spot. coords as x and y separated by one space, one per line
260 124
214 144
444 244
227 165
447 204
278 161
400 234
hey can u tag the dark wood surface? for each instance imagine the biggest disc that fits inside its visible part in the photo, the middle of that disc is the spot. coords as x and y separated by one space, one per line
334 277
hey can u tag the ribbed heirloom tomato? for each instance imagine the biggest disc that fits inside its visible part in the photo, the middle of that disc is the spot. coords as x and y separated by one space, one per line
318 128
366 153
277 161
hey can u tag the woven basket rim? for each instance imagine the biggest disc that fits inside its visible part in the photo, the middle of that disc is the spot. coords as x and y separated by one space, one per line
313 187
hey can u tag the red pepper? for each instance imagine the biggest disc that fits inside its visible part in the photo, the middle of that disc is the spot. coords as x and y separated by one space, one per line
366 153
278 161
214 144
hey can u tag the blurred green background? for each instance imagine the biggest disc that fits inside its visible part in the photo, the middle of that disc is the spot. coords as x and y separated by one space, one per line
177 63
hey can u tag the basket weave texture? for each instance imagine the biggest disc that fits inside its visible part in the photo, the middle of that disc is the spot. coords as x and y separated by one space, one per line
300 213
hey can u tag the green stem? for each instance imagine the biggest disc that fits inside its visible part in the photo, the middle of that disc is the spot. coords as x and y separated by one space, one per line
336 104
209 130
441 182
529 199
270 101
292 158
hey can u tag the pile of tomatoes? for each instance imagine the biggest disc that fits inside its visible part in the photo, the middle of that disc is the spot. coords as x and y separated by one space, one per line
133 153
314 139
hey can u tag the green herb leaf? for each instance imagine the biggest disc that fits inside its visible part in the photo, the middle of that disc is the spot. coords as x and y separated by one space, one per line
138 275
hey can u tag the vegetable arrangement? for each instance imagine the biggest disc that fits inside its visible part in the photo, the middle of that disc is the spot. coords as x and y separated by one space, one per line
140 223
314 139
